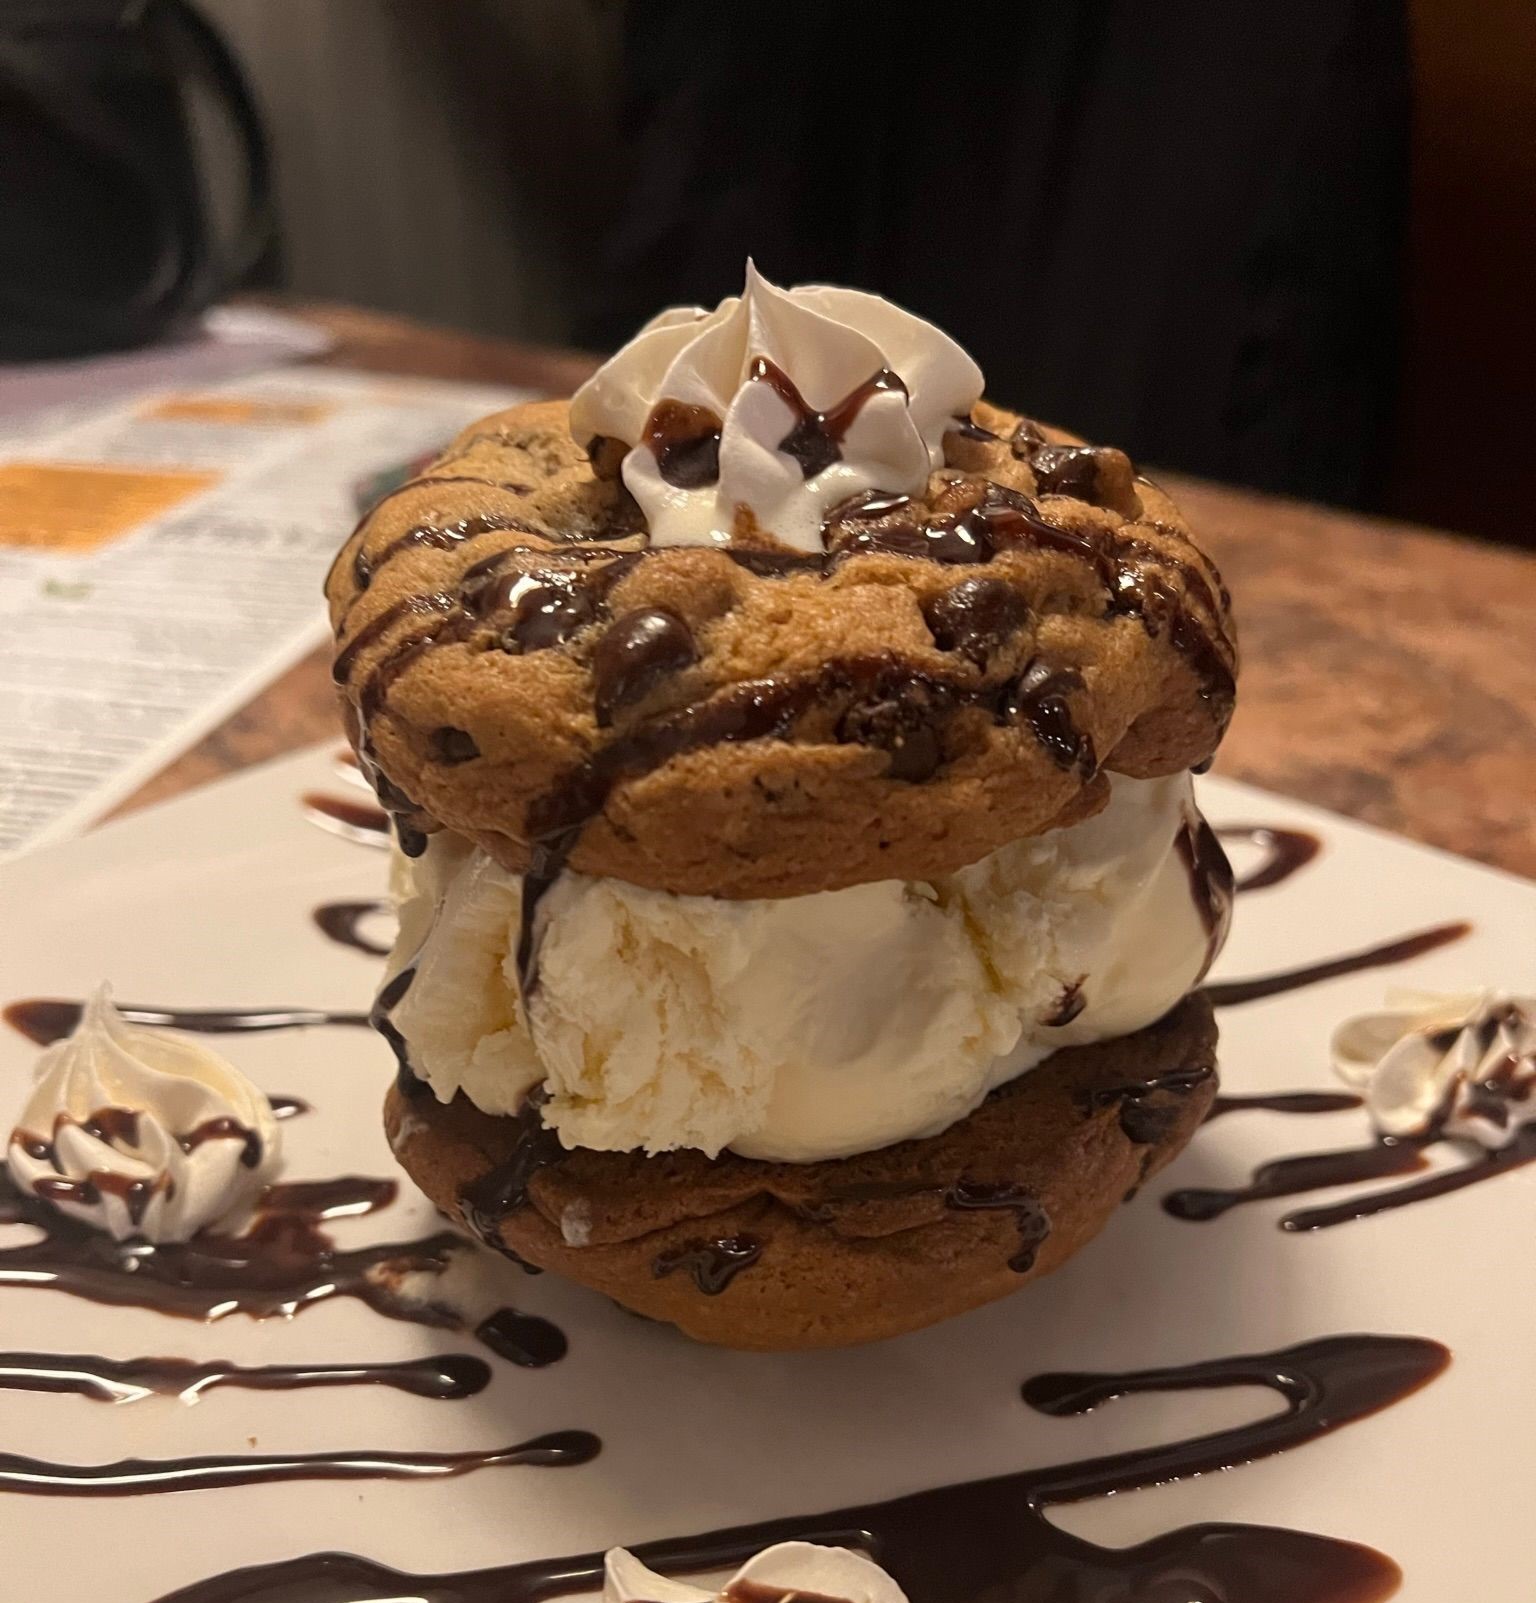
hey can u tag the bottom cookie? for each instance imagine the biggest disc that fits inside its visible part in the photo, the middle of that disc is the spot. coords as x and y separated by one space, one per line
775 1256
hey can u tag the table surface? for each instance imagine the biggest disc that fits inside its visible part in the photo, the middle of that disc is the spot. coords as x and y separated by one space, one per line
1389 672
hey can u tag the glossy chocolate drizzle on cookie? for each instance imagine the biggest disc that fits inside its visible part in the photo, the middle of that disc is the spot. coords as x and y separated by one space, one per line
532 597
993 1539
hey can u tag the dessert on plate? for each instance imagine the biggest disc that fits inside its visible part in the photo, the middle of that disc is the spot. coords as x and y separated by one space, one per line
803 903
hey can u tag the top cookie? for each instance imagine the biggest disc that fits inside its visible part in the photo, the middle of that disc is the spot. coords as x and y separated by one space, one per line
954 671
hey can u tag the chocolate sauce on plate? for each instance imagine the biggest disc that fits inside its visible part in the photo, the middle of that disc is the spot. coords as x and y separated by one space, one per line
991 1541
282 1264
136 1477
1286 1177
1387 1156
288 1107
1519 1152
1286 852
522 1339
129 1380
356 821
46 1019
341 1196
342 922
1232 993
1285 1102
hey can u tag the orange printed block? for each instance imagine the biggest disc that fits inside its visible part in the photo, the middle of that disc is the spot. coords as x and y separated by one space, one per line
231 409
68 506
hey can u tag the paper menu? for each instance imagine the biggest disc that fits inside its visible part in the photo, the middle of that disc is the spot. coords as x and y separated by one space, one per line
161 560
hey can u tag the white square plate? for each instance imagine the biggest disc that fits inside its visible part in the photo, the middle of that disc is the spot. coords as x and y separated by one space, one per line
207 902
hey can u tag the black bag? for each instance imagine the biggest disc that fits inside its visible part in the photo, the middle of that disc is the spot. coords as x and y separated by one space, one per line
107 237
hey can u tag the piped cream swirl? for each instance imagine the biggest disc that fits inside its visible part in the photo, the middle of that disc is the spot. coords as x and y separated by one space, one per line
786 1570
710 406
1458 1066
142 1133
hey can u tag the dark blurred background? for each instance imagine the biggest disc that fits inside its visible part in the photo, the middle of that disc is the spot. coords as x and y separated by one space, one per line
1286 246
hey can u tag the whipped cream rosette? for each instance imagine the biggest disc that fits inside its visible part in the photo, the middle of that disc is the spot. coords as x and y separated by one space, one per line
142 1132
1462 1066
799 399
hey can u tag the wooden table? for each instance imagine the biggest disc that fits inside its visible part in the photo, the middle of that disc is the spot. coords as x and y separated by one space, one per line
1388 672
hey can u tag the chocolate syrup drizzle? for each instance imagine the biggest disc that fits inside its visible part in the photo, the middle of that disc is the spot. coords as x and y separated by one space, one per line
1316 1171
281 1265
1210 883
1493 1097
992 1539
356 821
342 922
46 1019
815 439
1149 1108
713 1264
1285 1102
1286 852
503 1189
136 1477
568 592
1233 993
685 440
119 1128
445 1376
766 709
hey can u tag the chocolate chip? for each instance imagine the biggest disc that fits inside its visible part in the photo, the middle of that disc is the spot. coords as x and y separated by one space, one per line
1098 474
547 610
905 726
1067 470
1027 439
606 455
969 429
640 649
1069 1004
1039 698
975 617
450 745
959 537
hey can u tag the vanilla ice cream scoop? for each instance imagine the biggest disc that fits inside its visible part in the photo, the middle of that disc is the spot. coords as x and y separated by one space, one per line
779 404
784 1571
808 1027
142 1133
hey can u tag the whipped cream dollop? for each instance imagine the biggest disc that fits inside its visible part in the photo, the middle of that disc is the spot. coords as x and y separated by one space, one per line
805 1027
786 1570
1458 1066
773 408
142 1133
